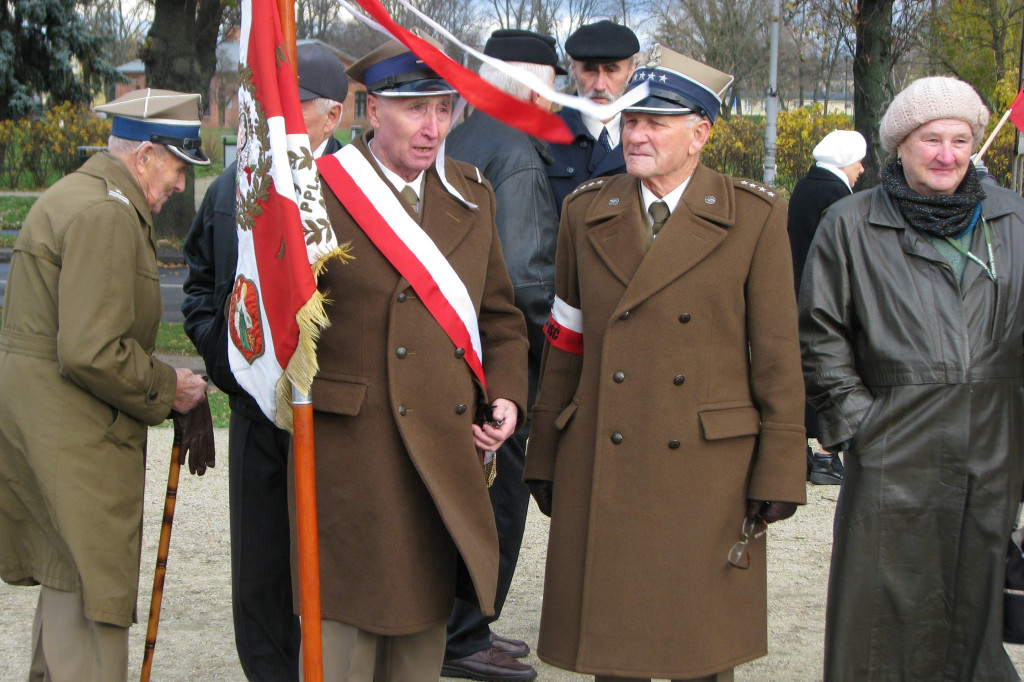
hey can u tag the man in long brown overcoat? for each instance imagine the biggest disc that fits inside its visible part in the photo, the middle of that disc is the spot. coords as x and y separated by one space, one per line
668 426
404 517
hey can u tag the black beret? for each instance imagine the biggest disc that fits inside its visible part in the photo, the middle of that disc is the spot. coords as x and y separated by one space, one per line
517 45
603 41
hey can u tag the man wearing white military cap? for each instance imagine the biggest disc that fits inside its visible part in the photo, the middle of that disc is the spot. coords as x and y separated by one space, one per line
76 347
667 429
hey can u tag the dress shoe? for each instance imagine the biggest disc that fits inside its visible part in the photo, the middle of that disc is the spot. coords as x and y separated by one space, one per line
826 469
489 665
516 648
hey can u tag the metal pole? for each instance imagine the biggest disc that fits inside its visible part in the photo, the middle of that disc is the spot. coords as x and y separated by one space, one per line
772 103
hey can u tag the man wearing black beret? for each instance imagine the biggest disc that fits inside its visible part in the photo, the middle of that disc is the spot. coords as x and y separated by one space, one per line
527 219
602 58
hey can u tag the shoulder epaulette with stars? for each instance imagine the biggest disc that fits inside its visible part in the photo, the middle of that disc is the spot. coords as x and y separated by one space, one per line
755 188
586 186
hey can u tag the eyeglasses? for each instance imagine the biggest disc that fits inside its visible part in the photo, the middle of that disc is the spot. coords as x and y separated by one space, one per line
739 555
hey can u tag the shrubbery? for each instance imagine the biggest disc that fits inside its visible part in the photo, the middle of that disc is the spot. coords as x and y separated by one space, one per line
36 152
736 146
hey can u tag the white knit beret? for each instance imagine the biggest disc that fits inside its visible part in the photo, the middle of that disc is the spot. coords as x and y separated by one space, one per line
841 148
929 99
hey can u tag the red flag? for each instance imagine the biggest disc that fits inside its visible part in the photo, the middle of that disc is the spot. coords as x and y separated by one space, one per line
1017 111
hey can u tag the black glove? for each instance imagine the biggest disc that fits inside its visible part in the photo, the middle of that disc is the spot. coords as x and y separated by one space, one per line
770 512
542 493
193 433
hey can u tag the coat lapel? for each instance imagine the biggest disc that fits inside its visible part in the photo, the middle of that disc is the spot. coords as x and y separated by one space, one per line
444 218
692 233
614 228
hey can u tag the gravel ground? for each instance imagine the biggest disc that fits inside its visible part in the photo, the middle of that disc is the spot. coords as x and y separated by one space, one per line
196 641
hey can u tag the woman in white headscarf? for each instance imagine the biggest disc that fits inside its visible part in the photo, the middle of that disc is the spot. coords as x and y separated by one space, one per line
832 177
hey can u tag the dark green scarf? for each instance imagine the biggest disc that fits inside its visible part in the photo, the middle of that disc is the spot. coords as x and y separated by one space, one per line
946 215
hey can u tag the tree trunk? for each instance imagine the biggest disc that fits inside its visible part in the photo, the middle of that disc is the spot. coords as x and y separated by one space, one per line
180 54
872 66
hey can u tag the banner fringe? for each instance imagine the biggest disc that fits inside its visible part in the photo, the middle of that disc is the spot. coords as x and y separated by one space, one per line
302 367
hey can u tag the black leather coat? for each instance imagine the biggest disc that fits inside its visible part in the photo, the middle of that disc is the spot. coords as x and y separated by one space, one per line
527 218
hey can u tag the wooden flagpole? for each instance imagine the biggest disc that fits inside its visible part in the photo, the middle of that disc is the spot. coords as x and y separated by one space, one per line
305 471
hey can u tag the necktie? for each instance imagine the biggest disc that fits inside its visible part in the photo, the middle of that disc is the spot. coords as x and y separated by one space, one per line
409 194
659 214
605 141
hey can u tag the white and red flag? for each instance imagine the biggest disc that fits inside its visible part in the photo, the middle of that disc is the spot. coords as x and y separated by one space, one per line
275 311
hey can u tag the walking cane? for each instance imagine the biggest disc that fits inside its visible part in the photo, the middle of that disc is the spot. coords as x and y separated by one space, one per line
161 554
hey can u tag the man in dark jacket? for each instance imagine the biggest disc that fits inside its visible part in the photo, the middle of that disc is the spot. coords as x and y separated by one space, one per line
266 631
836 170
603 56
527 220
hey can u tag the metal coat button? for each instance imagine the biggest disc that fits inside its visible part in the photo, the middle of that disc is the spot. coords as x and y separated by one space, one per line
616 438
674 444
583 143
401 410
401 297
401 352
625 315
460 352
684 318
570 170
678 381
461 409
619 377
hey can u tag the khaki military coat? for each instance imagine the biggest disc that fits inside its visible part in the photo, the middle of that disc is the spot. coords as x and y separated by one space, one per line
404 513
686 401
78 387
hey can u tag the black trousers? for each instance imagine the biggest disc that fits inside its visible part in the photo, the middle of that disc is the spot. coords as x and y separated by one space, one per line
267 633
468 629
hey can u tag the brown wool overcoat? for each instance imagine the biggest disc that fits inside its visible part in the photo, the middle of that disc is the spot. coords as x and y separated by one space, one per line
78 387
686 401
401 494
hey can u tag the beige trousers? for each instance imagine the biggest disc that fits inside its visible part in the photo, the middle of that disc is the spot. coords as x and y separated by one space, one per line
724 676
67 646
354 655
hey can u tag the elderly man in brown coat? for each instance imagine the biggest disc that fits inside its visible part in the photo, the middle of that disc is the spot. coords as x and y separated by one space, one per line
424 338
668 428
79 385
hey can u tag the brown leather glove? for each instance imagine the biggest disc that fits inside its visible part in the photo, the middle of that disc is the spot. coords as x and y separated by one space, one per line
770 512
542 492
193 433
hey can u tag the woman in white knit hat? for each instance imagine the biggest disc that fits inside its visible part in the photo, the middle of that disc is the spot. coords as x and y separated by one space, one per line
912 331
832 177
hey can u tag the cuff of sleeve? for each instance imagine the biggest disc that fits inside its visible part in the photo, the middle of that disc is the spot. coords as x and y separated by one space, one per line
160 395
780 470
542 447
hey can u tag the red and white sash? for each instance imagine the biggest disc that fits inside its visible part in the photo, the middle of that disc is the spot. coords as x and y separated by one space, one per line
384 219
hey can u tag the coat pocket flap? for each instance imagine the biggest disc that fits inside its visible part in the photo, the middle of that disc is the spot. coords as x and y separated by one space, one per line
338 396
565 415
730 422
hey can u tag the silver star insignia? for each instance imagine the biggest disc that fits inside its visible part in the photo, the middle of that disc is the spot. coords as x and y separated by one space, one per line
663 78
709 200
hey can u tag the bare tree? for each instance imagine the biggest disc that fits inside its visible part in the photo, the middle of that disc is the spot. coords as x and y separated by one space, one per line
123 26
730 35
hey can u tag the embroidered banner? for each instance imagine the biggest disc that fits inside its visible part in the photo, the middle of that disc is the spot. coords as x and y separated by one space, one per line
275 312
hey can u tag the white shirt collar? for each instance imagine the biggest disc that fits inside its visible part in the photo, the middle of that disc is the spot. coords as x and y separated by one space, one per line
397 181
671 199
594 127
319 151
837 171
